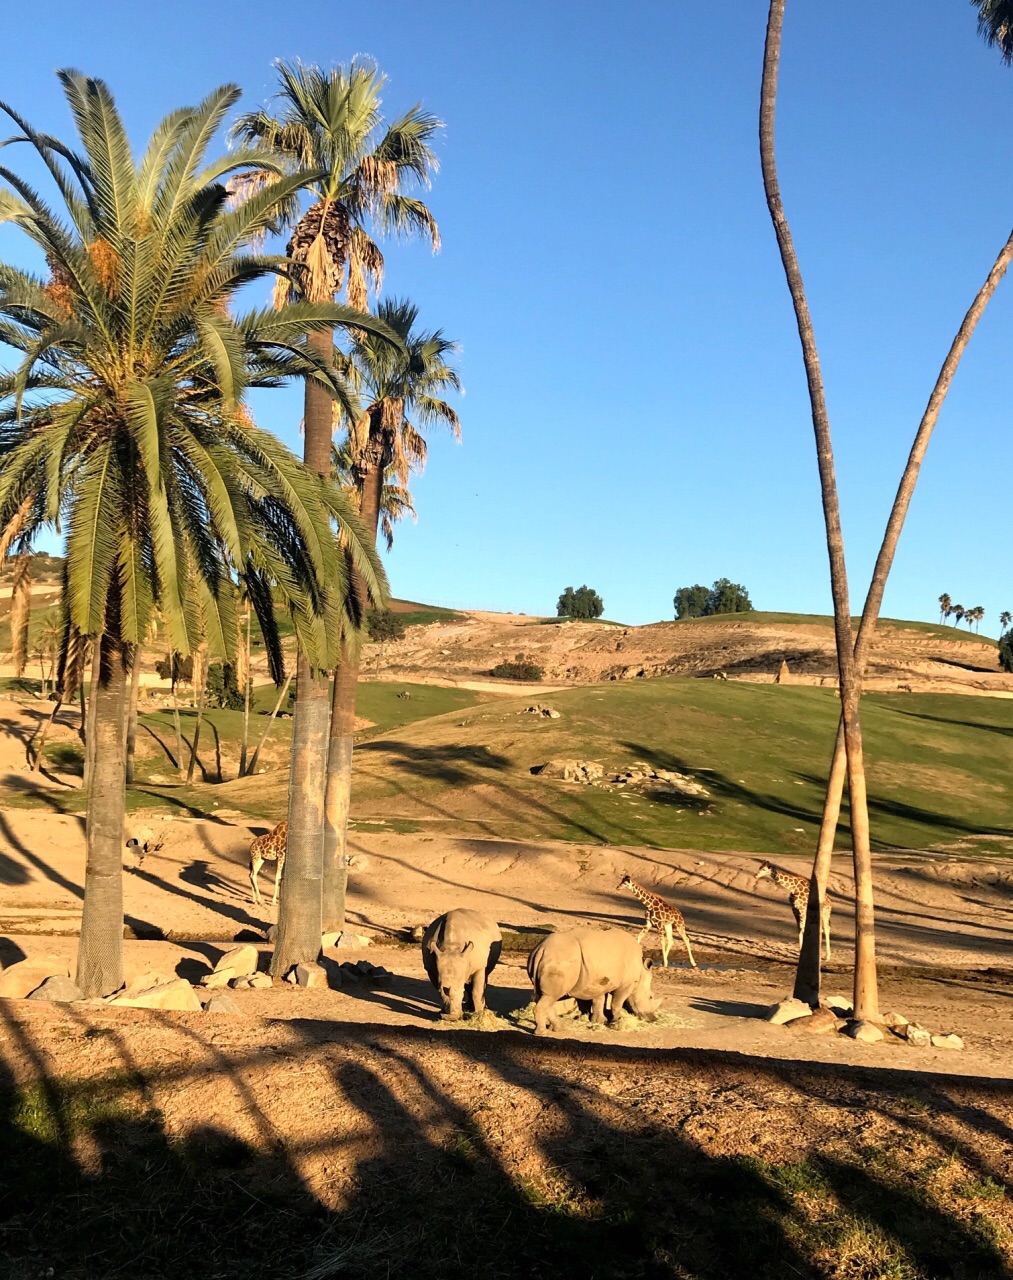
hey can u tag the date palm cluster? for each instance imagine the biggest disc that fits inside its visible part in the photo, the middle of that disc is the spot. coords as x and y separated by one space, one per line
125 426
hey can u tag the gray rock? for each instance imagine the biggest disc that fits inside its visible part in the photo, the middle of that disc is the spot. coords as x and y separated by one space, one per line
310 975
242 960
840 1005
896 1022
24 976
222 1003
948 1041
59 989
787 1011
916 1035
260 980
867 1032
168 995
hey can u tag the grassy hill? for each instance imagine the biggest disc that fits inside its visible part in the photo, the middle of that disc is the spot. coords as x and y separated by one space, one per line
939 768
933 629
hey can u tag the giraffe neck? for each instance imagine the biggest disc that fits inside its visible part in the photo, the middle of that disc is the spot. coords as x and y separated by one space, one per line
793 883
640 892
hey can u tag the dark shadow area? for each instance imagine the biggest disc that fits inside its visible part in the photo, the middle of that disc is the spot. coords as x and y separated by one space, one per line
578 1182
447 763
728 1008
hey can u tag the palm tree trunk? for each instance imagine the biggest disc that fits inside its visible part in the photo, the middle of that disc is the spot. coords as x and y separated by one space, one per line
21 611
866 1001
807 981
342 736
246 698
179 731
268 727
196 733
300 906
45 728
135 693
100 956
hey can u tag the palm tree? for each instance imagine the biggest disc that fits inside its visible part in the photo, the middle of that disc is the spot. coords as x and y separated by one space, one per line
330 129
958 613
866 1000
995 25
122 425
396 502
382 441
807 981
945 606
1005 618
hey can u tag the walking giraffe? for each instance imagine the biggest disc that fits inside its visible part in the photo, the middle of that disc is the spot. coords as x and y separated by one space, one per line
798 898
660 916
269 848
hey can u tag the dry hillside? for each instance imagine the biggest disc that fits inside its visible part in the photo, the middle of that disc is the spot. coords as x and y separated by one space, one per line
752 647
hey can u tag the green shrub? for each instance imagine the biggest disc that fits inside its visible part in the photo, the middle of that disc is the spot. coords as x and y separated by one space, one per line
522 668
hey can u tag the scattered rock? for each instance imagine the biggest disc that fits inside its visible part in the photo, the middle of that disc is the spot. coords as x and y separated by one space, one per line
222 1003
916 1035
242 960
584 771
346 940
177 994
789 1010
59 989
549 713
309 975
328 940
896 1022
948 1041
272 933
819 1023
144 981
867 1032
841 1005
260 980
25 976
641 777
220 977
418 932
363 971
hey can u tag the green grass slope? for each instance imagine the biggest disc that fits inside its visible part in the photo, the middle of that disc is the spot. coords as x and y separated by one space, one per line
939 768
758 617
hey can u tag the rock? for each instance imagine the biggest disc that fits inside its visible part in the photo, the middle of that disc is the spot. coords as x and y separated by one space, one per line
59 989
346 940
25 976
867 1032
418 932
310 975
328 940
239 984
840 1004
222 1003
220 978
788 1011
144 981
585 771
242 960
259 980
177 994
538 710
948 1041
272 933
782 673
896 1022
917 1036
819 1023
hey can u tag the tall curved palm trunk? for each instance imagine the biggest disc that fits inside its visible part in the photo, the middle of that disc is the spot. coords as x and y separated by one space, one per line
300 918
342 729
100 954
807 980
866 999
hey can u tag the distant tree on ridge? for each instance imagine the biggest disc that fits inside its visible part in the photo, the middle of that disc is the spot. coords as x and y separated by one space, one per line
582 603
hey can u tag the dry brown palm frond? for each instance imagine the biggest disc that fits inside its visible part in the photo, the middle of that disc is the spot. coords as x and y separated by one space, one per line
21 608
244 186
73 663
319 249
15 525
106 263
375 178
365 269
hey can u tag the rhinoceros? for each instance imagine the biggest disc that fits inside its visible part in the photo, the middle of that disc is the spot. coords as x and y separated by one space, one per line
459 950
589 964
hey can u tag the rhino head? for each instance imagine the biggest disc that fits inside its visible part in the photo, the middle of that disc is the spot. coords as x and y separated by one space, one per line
641 1001
454 966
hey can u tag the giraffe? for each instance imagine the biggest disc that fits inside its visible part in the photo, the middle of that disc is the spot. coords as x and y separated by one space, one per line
269 848
798 898
660 916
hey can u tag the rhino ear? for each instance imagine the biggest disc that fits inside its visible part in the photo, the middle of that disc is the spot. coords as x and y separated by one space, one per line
466 947
648 964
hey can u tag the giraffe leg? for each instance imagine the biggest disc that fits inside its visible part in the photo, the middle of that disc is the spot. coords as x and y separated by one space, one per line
685 937
666 944
644 932
277 877
256 863
800 921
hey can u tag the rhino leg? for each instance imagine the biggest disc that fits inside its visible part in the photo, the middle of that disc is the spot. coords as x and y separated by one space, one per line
619 998
543 1015
478 991
598 1010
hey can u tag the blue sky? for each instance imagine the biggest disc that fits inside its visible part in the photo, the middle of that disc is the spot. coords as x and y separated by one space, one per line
635 413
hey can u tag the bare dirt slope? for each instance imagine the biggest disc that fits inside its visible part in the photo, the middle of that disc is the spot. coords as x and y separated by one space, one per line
927 660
